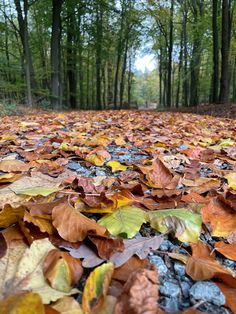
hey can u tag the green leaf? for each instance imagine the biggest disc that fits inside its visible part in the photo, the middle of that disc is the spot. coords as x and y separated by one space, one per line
37 190
96 288
185 224
125 221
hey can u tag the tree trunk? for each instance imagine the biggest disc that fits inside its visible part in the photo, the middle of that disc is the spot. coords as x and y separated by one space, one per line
170 50
71 57
215 79
24 36
99 30
56 87
224 81
185 57
122 79
179 71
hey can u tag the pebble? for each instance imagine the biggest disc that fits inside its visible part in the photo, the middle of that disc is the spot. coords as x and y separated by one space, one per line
166 245
158 261
170 289
185 286
179 269
207 291
170 305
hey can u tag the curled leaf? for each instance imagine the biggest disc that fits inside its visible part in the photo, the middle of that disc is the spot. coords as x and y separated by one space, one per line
96 288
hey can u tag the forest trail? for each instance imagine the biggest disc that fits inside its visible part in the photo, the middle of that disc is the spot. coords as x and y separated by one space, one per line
105 194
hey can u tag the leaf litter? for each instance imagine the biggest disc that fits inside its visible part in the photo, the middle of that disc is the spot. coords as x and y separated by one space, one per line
117 212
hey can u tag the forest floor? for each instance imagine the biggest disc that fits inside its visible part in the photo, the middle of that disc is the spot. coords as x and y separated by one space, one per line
91 200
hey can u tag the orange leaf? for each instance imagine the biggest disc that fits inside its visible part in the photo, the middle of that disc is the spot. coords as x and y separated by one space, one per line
72 225
220 216
228 250
202 265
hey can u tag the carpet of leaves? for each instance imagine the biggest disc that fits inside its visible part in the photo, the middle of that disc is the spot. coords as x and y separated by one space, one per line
117 212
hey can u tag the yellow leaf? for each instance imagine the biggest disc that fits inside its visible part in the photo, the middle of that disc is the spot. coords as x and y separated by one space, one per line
23 303
116 166
67 305
231 178
96 288
10 215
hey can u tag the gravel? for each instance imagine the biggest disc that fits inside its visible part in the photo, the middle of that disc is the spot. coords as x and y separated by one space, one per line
207 291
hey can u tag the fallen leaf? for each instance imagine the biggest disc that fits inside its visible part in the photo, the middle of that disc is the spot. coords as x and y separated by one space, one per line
96 288
157 174
116 166
124 222
228 250
35 185
185 224
220 216
98 156
231 178
67 305
122 273
23 303
230 296
106 247
72 225
202 265
61 270
9 215
140 246
140 293
22 269
3 245
13 166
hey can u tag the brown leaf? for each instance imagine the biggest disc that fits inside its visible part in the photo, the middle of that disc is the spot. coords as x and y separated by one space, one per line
62 270
230 296
122 273
140 293
228 250
13 166
220 216
202 265
139 246
106 247
3 245
72 225
157 174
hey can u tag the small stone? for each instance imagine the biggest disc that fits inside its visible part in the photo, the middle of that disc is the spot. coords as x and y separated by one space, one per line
207 291
179 269
170 289
170 305
166 245
158 261
228 263
185 286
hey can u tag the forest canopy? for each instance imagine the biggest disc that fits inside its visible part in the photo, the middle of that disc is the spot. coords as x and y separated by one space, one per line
81 54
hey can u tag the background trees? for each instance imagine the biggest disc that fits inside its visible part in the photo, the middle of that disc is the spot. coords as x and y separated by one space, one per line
81 54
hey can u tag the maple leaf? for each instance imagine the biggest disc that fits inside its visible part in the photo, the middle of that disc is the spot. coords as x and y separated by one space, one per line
116 166
72 225
13 166
231 178
98 156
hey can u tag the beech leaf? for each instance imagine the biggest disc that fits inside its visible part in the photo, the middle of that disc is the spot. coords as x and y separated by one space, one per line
185 224
72 225
124 222
96 288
